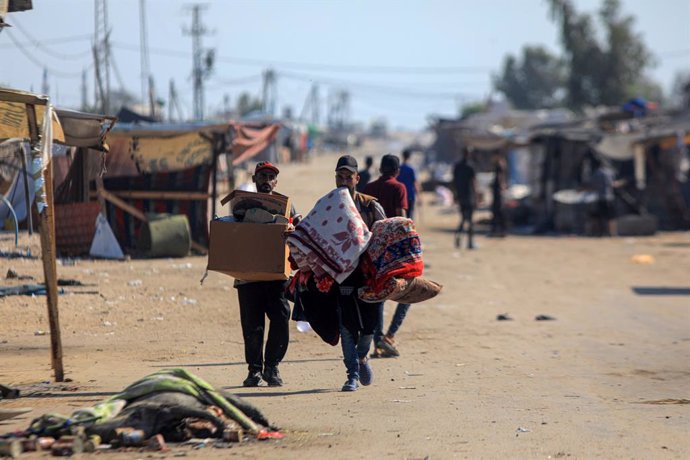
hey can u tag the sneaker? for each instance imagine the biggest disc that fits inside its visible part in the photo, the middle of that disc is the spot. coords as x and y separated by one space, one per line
350 385
366 373
253 379
387 349
272 377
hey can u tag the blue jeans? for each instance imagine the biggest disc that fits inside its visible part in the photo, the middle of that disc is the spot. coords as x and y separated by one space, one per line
354 349
396 321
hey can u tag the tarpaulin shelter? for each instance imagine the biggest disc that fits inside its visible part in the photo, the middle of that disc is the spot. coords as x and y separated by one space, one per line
632 147
163 168
30 118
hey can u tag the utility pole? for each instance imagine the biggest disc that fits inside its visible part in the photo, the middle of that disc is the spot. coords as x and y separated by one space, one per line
101 54
310 110
173 103
45 87
339 109
152 98
269 96
203 60
146 78
84 91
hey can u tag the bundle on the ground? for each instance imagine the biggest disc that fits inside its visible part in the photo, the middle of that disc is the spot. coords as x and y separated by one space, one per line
167 403
331 238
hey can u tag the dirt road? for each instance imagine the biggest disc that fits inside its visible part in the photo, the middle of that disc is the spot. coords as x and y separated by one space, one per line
608 378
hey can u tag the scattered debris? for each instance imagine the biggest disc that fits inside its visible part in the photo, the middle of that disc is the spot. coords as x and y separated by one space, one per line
71 282
13 275
521 430
8 393
544 318
25 289
665 401
643 259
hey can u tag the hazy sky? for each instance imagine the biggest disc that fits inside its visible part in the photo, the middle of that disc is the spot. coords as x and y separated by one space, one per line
400 59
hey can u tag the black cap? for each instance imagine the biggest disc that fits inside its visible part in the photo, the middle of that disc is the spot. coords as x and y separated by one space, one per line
390 163
347 162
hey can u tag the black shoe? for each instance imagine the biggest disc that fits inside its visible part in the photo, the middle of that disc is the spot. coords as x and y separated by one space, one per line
253 379
272 377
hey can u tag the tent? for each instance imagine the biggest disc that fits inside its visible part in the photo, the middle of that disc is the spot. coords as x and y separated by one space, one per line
30 118
163 168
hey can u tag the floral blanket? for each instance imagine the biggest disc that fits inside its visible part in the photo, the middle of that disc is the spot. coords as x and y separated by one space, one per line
394 255
331 238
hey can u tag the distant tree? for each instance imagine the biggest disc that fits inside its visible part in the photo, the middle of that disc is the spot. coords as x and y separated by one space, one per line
471 108
533 82
247 104
600 73
680 90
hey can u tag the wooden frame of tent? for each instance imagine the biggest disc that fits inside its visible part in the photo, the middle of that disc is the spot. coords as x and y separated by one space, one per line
30 117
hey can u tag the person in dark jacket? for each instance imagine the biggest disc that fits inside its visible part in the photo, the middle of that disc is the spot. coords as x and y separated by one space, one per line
465 182
358 319
261 299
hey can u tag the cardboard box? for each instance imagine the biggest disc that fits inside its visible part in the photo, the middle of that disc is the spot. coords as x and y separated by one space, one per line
248 251
251 252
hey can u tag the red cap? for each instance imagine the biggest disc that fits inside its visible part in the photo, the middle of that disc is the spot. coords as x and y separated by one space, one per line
266 165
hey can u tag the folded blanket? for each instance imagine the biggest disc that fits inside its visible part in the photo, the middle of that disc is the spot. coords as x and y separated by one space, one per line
394 253
331 238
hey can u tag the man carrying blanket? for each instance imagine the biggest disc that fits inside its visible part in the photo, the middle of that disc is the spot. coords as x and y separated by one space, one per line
393 195
357 319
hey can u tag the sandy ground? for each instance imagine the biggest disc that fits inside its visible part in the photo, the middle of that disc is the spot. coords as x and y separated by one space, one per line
608 378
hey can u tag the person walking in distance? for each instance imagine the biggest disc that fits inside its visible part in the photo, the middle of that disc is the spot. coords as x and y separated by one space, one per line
465 182
393 198
365 173
498 186
261 299
358 320
408 177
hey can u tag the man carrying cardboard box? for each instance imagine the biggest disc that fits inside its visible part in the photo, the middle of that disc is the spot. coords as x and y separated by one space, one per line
259 299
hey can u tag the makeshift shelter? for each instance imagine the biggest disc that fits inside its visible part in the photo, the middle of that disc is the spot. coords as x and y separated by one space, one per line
634 147
29 118
155 169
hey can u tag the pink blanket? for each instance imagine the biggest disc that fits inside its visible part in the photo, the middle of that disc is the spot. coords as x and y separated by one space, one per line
330 239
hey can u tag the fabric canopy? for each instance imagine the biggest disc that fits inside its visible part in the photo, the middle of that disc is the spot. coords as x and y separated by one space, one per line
249 141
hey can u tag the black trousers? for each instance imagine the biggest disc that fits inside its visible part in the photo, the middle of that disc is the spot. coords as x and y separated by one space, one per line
257 301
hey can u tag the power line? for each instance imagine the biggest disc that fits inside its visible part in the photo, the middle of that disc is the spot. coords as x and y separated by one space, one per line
320 67
38 62
221 82
53 41
40 46
366 86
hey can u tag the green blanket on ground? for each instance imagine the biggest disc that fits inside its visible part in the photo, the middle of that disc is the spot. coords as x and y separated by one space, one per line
178 380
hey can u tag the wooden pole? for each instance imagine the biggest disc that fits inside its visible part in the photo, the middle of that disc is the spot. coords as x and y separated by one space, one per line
47 231
50 274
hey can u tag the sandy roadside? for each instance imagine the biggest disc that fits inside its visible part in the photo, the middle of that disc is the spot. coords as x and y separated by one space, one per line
606 379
